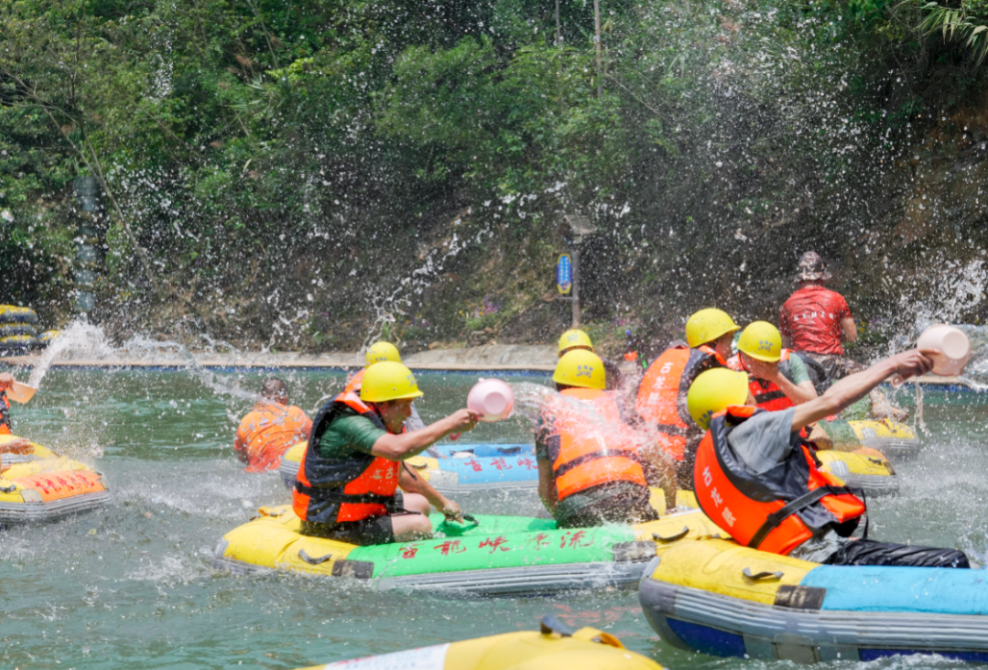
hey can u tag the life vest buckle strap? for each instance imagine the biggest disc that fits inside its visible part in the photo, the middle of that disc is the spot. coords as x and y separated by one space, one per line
587 458
338 496
777 517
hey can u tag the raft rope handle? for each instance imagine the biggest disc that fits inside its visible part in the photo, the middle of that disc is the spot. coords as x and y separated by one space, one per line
672 538
550 625
8 489
313 561
761 575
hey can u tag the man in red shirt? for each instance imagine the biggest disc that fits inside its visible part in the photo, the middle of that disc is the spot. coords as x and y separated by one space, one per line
816 321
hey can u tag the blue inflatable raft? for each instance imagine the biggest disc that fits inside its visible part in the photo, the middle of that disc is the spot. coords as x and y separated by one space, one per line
718 598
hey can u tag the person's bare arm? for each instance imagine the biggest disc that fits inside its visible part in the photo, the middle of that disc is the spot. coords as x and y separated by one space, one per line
410 482
851 389
547 487
849 332
798 393
399 447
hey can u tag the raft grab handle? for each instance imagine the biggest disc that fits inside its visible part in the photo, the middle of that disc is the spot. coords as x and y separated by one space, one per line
551 624
8 489
313 561
671 538
757 577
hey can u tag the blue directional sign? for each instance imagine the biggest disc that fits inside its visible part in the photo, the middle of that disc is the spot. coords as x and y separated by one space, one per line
564 274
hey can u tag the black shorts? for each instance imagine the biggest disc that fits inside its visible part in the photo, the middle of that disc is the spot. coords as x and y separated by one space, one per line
373 530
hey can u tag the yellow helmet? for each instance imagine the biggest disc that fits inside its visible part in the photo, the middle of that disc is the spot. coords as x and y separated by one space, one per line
714 391
574 338
761 340
388 381
708 325
382 351
580 368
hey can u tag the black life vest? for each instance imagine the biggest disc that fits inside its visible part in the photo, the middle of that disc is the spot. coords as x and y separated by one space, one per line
352 488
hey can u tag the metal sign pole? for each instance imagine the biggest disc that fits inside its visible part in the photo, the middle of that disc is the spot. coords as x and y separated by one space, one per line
576 286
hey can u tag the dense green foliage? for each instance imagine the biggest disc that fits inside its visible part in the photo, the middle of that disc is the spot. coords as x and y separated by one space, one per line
274 170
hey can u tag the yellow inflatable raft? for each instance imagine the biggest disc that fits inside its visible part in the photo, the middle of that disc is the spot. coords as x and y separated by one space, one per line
43 486
553 648
895 440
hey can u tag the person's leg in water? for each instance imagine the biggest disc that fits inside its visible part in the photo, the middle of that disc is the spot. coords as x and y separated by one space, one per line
870 552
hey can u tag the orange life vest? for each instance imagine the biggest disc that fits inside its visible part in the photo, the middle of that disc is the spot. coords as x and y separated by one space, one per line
334 490
768 395
775 511
592 453
662 393
354 383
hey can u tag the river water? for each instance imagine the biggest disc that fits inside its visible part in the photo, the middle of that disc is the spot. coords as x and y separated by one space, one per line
132 585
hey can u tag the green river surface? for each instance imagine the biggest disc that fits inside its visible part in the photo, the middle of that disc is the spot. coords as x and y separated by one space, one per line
131 586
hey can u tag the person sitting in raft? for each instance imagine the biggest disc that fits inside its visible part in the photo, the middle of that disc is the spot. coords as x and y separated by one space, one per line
661 400
777 378
347 484
379 352
270 429
758 479
575 339
20 445
592 468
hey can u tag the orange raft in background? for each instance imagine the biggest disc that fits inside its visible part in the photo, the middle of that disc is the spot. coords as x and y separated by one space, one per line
41 486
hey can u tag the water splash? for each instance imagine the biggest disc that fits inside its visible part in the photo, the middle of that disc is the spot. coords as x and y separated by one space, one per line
79 337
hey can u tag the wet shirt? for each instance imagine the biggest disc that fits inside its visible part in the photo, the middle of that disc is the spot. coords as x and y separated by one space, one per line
811 319
269 431
348 434
547 450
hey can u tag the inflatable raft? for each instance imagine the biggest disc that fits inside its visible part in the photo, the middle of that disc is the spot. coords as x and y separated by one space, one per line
489 555
481 467
478 467
44 487
718 598
553 648
895 440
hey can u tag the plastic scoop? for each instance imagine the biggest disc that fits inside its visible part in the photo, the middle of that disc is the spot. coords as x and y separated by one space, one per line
21 392
492 399
952 350
952 346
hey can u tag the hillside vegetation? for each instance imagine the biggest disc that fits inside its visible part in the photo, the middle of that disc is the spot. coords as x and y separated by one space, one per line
313 174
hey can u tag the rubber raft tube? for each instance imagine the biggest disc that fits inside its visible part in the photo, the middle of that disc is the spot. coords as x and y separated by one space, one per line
553 648
894 439
485 467
718 598
42 487
490 555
